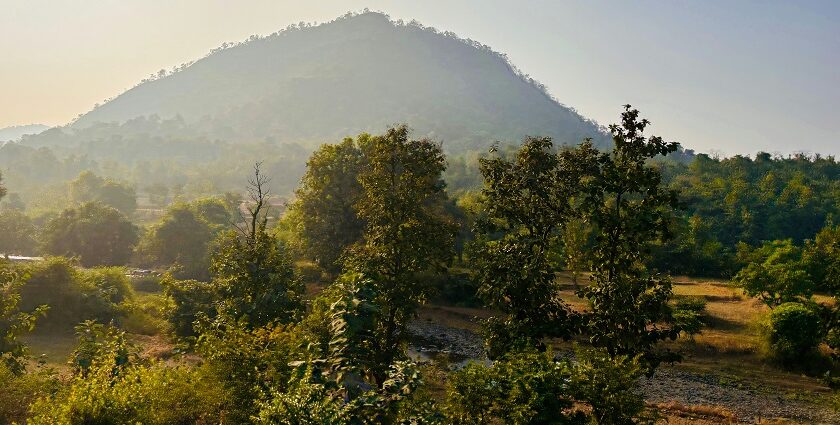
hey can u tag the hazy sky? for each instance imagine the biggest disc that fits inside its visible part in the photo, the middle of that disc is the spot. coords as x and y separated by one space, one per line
727 76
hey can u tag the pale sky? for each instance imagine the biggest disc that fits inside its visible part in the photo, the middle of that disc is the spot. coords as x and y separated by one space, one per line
716 75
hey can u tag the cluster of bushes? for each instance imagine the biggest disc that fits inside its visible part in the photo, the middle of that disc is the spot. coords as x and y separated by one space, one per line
786 278
73 294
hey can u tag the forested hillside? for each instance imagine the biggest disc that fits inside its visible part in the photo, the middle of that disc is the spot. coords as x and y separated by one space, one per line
310 84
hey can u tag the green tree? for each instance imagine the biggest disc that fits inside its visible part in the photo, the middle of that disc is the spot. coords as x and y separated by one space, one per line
406 231
181 239
158 194
89 187
17 233
2 187
527 204
329 189
630 208
576 238
822 257
776 274
95 233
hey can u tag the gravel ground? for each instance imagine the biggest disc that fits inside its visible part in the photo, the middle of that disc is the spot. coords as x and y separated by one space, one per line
749 404
668 384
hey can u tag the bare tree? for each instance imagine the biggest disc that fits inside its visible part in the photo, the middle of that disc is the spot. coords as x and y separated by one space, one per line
258 193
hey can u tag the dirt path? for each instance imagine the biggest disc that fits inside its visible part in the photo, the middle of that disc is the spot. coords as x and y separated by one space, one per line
750 404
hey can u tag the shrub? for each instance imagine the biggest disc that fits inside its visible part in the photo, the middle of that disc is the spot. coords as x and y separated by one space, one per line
147 284
20 390
454 288
310 272
520 388
190 299
110 281
688 314
608 385
73 295
110 385
150 395
145 315
246 363
794 330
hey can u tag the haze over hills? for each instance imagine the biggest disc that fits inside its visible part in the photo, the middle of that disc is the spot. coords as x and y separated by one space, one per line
358 73
16 132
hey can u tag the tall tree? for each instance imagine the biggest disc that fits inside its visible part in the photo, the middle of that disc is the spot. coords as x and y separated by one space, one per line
406 231
328 192
528 203
630 207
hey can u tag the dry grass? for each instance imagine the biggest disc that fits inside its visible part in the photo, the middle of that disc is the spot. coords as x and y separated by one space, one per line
675 410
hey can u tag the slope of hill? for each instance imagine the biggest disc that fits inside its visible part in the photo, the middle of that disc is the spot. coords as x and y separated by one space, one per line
357 73
16 132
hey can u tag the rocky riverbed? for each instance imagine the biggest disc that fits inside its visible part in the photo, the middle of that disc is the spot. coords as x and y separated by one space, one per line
669 384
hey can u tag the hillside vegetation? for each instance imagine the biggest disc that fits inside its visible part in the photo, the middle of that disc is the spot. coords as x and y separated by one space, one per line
358 73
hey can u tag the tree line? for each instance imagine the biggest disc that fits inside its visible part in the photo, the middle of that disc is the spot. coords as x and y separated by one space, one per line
374 215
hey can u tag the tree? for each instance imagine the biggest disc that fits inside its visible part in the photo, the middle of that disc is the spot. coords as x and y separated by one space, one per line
89 187
158 194
576 237
251 270
822 257
2 188
776 274
527 204
181 239
96 233
405 230
630 208
17 233
326 198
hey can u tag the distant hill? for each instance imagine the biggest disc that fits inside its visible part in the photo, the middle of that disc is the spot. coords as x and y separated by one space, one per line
363 72
16 132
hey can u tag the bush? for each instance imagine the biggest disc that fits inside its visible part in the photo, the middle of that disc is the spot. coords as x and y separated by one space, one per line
521 388
310 273
608 384
147 284
145 315
190 299
454 288
20 390
111 385
794 330
688 314
247 363
73 295
149 395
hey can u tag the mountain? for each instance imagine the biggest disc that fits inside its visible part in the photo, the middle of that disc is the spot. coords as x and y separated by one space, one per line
16 132
360 72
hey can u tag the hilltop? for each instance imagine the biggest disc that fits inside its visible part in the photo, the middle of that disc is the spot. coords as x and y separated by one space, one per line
314 84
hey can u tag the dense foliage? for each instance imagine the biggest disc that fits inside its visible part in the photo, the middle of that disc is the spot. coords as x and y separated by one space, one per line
374 221
94 233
